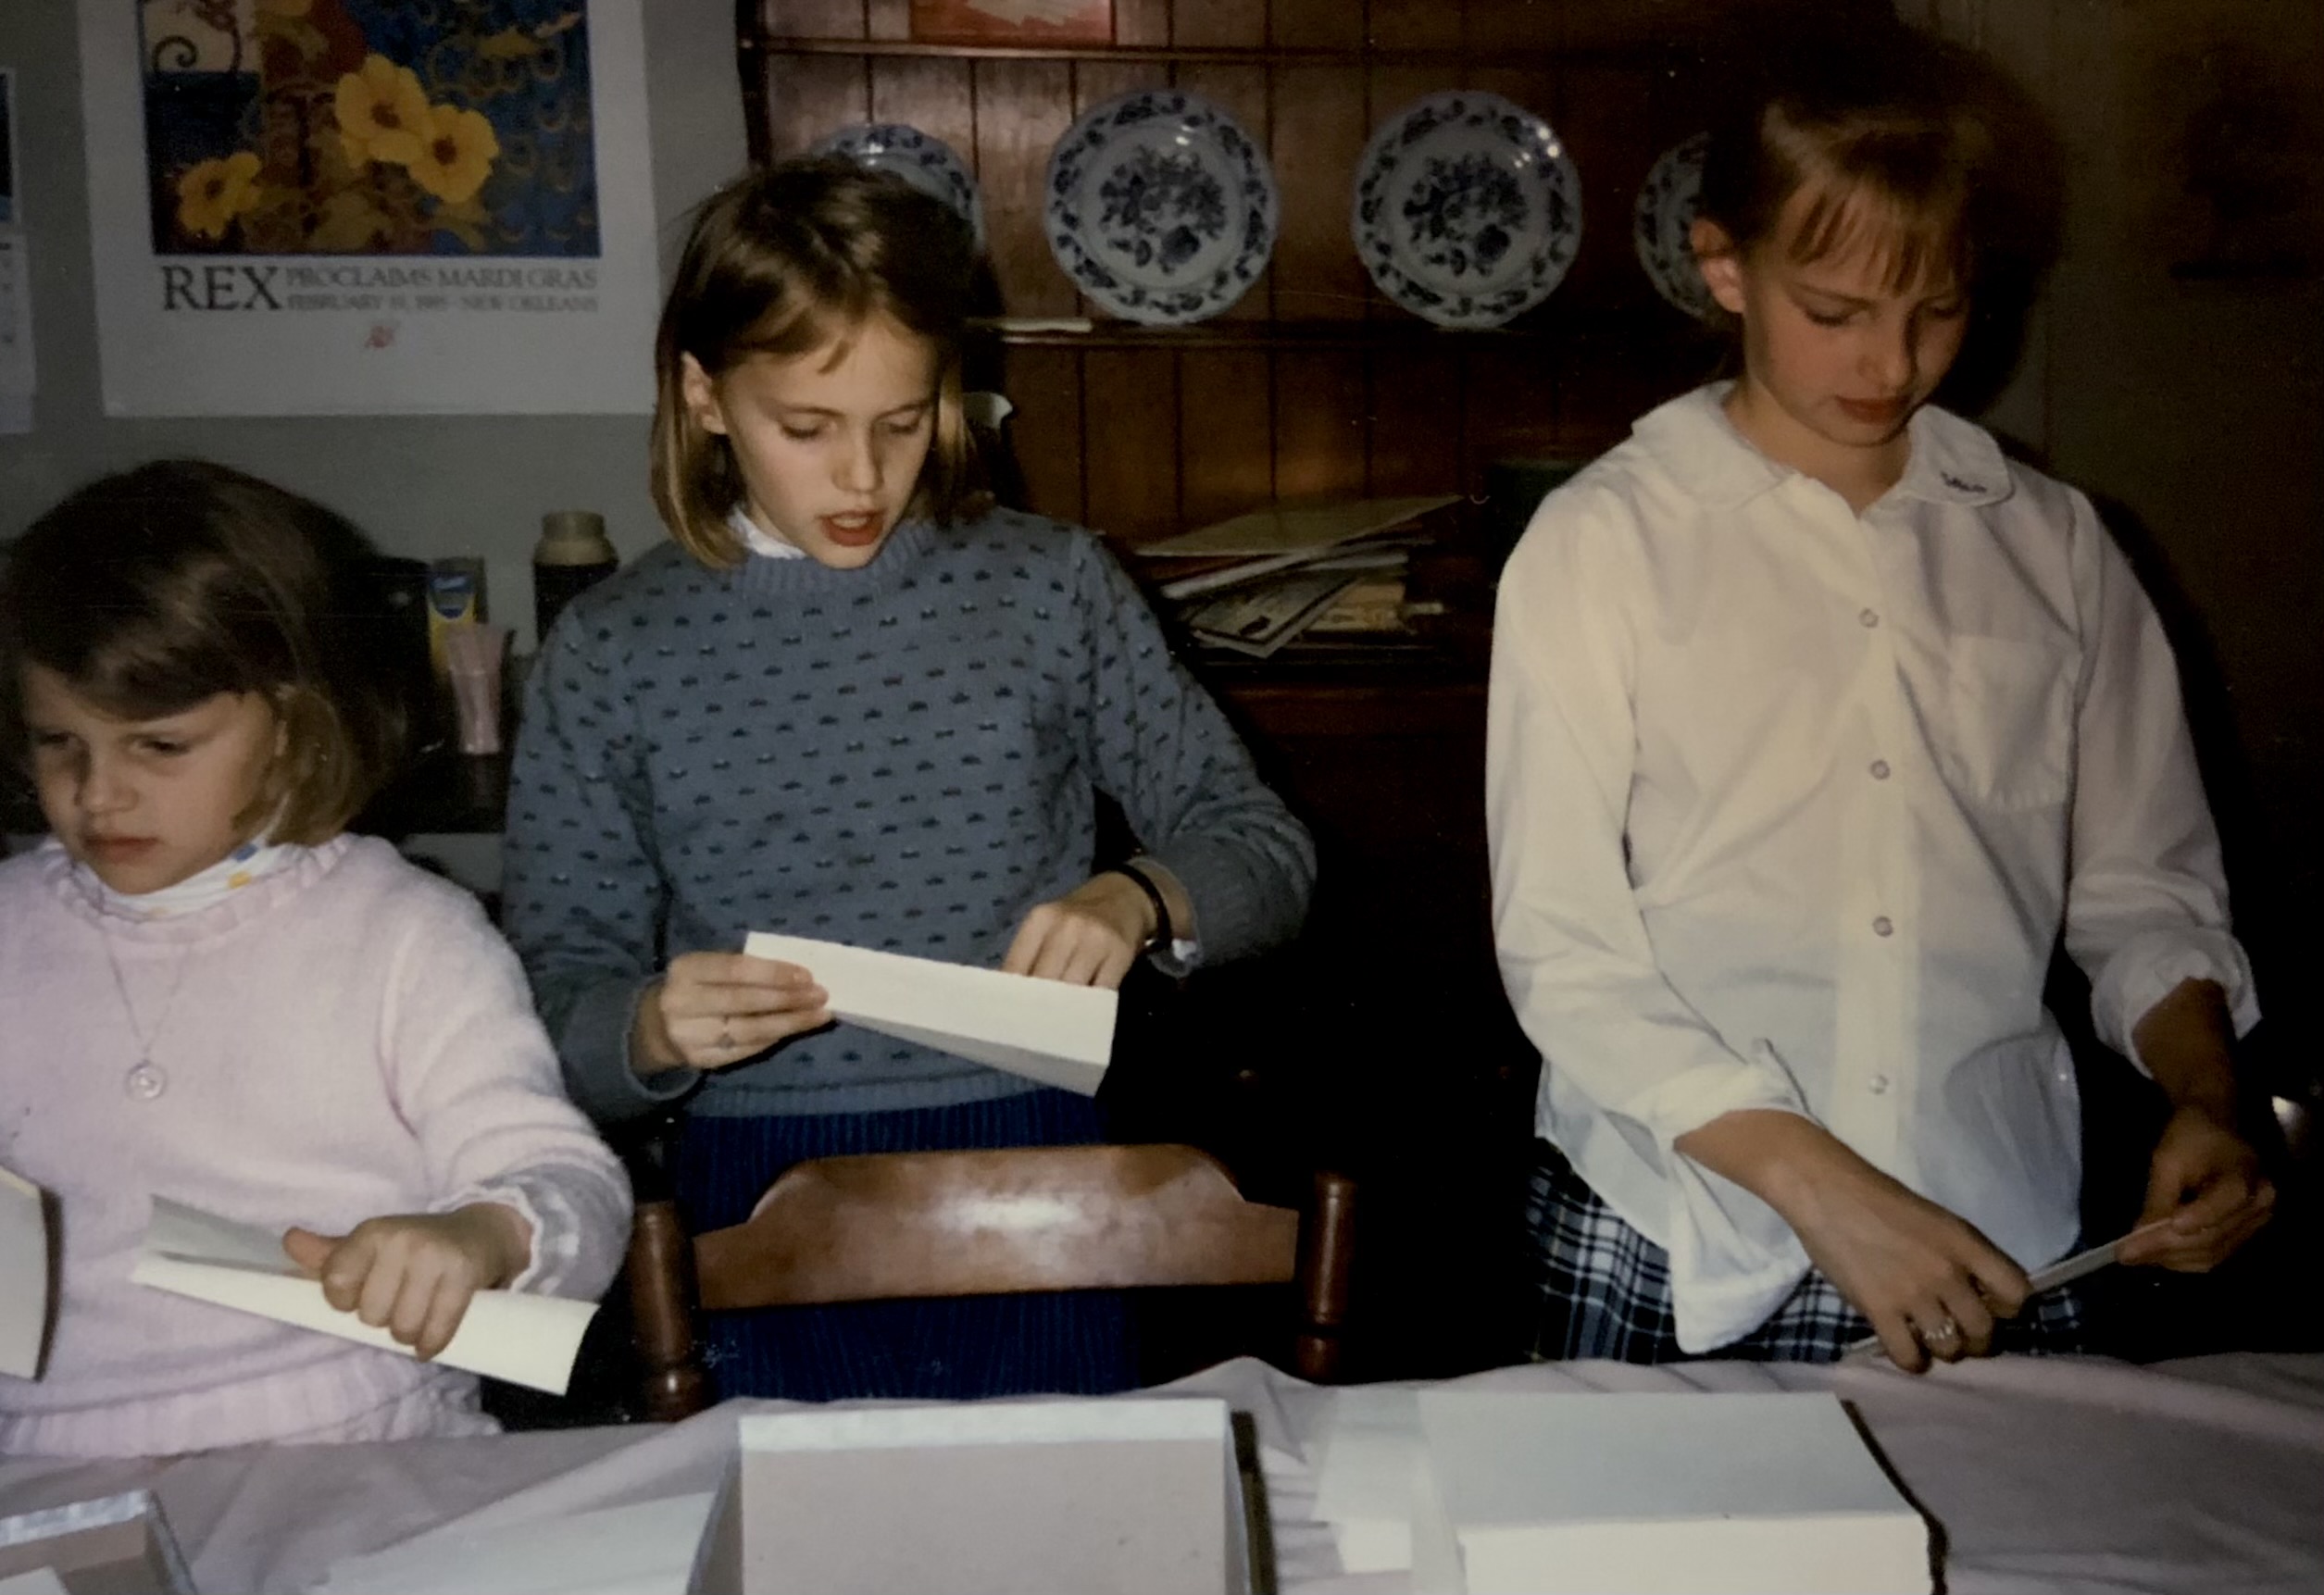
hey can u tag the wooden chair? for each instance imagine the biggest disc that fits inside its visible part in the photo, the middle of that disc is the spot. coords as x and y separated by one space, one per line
930 1224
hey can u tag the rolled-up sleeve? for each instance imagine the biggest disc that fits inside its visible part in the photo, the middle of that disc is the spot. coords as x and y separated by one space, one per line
2146 904
1559 756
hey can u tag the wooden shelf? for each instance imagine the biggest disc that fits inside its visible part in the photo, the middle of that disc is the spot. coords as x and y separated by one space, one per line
1637 54
1651 325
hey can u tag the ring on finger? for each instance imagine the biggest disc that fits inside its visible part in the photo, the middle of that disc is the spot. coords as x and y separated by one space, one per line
1941 1336
726 1039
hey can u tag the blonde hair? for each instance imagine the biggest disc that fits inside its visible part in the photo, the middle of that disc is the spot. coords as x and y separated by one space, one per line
156 589
1893 137
793 258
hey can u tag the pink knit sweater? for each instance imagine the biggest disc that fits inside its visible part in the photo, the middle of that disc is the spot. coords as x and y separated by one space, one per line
348 1038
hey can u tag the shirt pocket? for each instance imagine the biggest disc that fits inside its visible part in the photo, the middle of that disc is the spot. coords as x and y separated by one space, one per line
2008 739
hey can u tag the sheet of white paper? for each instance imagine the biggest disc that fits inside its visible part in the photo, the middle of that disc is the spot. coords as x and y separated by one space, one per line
1044 1030
2065 1271
1367 1485
639 1548
40 1581
1639 1492
524 1339
23 1277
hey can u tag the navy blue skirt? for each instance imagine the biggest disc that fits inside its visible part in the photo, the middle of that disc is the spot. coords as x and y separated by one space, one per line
1071 1342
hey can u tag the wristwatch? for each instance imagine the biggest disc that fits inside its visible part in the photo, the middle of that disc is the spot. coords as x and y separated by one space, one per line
1163 935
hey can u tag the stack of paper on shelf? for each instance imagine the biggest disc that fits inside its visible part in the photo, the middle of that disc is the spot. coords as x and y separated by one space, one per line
1136 1497
1045 1030
1261 579
510 1335
1616 1494
24 1270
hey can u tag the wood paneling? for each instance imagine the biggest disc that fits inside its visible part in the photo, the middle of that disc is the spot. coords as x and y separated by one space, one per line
1415 421
1226 432
1220 24
816 19
1320 433
1319 132
1023 107
888 19
931 94
1045 386
809 95
1316 24
1129 469
1141 22
1415 24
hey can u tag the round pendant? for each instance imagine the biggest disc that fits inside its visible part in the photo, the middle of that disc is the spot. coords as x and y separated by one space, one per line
145 1082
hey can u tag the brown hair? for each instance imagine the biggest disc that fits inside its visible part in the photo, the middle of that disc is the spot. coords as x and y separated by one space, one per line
154 590
1895 136
791 259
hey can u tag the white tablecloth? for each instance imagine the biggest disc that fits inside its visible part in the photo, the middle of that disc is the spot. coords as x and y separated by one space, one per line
2059 1477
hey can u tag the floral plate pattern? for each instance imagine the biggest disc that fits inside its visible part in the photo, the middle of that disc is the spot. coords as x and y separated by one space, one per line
925 161
1467 210
1160 208
1663 225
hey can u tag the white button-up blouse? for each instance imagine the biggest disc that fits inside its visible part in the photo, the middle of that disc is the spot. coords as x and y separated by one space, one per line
1788 808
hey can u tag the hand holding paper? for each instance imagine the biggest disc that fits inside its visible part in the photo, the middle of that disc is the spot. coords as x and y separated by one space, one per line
415 1273
524 1339
1045 1030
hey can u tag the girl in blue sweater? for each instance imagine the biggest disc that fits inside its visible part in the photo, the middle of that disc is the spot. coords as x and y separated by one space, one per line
851 700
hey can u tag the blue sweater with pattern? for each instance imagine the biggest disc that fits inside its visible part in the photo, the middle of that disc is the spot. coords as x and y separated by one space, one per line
903 758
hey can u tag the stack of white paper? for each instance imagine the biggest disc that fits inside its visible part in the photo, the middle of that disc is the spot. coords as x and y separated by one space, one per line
1045 1030
524 1339
1133 1497
23 1277
1626 1494
639 1548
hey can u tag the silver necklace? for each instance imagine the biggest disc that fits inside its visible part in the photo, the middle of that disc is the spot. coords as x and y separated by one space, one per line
144 1081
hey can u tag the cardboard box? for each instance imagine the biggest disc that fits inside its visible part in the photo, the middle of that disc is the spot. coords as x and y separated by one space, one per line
116 1545
1118 1497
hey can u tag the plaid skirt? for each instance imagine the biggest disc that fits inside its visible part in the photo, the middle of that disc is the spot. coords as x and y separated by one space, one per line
1605 1291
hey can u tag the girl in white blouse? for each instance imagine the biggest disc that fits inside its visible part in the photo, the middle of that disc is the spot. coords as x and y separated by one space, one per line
1816 723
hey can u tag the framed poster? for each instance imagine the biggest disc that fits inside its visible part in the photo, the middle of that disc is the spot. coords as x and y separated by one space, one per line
369 207
1014 21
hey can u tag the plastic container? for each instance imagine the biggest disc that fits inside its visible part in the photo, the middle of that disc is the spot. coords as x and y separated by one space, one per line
574 554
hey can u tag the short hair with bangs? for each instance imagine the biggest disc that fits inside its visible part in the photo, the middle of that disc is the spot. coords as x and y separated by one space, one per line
156 589
791 259
1896 139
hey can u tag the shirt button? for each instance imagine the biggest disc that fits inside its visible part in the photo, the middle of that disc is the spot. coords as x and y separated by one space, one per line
1876 1085
144 1083
1884 926
1868 618
1880 769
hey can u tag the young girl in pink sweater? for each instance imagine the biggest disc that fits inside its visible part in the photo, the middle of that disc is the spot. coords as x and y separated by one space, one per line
209 991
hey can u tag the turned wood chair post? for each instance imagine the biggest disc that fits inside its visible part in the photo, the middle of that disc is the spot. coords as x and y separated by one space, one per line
673 1384
1327 1253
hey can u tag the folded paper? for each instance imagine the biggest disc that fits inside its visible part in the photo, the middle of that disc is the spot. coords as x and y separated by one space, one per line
1045 1030
524 1339
24 1269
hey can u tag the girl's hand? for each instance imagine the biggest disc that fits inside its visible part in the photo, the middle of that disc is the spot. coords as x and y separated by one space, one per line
413 1274
1931 1284
2204 1179
710 1010
1088 937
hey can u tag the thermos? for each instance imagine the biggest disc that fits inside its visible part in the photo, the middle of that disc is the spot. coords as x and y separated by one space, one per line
573 554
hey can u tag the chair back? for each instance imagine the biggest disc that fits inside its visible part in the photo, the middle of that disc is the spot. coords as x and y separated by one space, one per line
903 1225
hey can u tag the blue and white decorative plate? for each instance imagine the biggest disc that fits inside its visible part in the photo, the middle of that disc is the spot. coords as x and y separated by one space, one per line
1468 209
1160 208
925 161
1663 226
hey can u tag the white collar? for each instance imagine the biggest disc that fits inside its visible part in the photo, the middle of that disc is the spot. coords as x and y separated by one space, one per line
251 862
1952 461
758 542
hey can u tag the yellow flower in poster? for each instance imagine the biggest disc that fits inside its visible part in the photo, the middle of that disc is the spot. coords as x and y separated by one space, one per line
455 153
383 113
216 191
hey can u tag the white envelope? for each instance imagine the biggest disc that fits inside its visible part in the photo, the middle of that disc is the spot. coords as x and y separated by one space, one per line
524 1339
1045 1030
